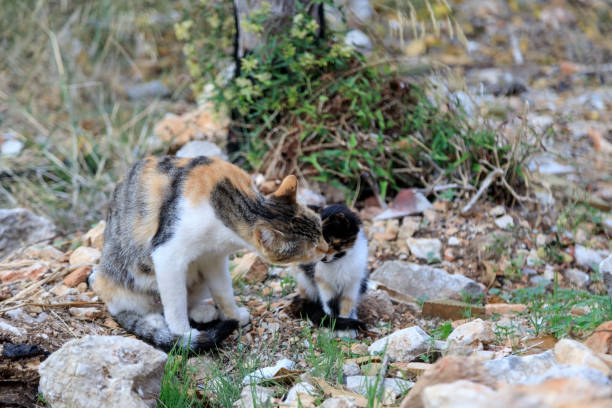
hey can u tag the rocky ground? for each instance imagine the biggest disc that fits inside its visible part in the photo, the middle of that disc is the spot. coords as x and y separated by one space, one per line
505 301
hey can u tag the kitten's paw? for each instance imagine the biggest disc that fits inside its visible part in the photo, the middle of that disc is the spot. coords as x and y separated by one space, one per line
179 329
204 313
244 317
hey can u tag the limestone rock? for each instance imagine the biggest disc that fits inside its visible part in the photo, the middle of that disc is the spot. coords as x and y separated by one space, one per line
605 268
309 197
462 393
504 222
504 308
31 272
339 402
77 276
577 278
427 249
470 336
95 236
360 384
421 280
359 40
85 256
402 345
268 372
601 339
19 227
350 369
254 396
447 370
587 257
571 352
197 148
301 391
98 371
516 370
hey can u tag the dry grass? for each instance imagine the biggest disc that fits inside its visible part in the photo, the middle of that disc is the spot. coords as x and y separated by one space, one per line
63 71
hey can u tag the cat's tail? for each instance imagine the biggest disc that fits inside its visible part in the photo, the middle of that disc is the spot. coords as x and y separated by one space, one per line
153 329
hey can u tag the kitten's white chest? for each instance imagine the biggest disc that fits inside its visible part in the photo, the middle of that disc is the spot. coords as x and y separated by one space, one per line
351 268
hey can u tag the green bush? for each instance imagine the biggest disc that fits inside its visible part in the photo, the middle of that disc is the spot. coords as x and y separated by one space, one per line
317 107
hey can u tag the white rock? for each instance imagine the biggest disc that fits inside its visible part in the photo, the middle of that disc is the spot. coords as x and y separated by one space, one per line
577 278
458 394
498 211
453 241
350 369
421 280
309 197
470 336
571 352
427 249
362 9
102 371
504 222
340 402
402 345
19 227
268 372
518 370
545 164
570 371
357 39
11 147
605 268
147 90
254 396
8 328
587 257
362 383
197 148
84 256
297 389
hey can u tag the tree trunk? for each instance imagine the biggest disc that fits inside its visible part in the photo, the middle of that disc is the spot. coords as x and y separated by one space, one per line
281 16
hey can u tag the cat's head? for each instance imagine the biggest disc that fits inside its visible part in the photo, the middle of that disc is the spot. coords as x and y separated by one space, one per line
341 227
286 231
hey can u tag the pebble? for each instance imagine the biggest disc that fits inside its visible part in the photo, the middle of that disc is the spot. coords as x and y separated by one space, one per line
402 345
504 222
577 278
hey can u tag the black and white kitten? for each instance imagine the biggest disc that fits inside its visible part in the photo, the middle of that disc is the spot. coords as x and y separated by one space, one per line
331 288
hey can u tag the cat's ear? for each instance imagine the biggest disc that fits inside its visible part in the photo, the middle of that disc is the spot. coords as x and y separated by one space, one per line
287 191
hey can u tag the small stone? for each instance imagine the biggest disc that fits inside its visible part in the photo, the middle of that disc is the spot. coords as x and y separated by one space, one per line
415 367
63 290
515 370
571 352
77 276
451 309
254 396
402 345
587 257
351 368
309 197
95 236
605 268
453 241
359 348
110 323
32 272
601 339
102 371
427 249
371 369
410 225
82 287
11 147
359 40
197 148
147 90
85 256
577 278
470 336
504 222
504 308
268 372
340 402
462 393
498 211
300 391
360 384
85 313
45 252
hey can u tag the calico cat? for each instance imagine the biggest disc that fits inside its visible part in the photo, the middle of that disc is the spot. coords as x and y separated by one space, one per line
172 224
331 287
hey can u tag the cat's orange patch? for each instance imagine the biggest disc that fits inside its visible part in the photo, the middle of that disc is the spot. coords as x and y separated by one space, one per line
346 306
106 288
201 180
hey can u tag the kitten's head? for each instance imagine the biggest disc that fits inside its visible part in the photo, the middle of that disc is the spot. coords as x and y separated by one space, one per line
288 232
340 230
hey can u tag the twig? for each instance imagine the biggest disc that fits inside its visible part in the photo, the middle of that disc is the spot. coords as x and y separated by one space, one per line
483 187
52 305
58 317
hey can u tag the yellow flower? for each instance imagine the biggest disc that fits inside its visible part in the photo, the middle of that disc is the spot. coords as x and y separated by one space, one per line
181 30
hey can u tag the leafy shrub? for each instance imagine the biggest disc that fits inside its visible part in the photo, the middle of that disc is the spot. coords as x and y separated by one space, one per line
318 107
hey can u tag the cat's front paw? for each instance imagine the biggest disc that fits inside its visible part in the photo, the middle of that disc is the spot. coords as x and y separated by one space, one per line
244 317
204 313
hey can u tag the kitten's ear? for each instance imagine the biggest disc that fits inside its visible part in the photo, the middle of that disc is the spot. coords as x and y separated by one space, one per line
287 190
